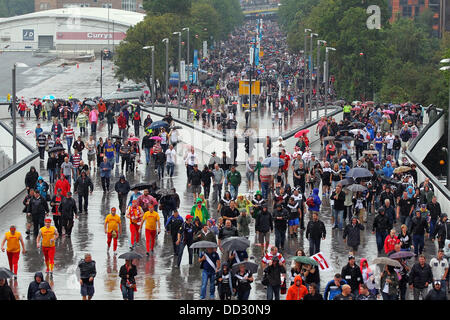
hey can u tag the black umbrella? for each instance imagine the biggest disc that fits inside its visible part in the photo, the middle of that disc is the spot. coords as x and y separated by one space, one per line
401 255
6 273
346 182
356 188
90 103
250 266
165 192
115 136
141 186
236 243
357 124
358 173
328 138
345 138
130 256
56 149
159 124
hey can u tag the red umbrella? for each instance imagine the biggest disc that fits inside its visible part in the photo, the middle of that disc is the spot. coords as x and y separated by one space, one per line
234 102
156 138
388 111
356 108
133 139
301 133
370 102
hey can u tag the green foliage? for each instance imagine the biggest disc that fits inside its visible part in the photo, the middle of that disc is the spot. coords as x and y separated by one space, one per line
159 7
9 8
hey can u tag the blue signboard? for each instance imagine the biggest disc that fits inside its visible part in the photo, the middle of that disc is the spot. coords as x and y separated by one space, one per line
28 34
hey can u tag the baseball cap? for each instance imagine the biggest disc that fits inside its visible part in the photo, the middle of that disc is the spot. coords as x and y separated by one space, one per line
48 220
350 257
189 217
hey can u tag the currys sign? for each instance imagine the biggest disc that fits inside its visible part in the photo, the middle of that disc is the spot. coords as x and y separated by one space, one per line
90 35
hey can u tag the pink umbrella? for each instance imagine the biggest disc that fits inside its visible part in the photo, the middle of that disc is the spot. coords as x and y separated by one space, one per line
156 138
234 102
356 108
133 139
146 92
216 96
388 111
301 133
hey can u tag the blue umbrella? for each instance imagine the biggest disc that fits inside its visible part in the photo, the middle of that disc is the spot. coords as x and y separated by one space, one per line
158 124
358 173
273 162
49 97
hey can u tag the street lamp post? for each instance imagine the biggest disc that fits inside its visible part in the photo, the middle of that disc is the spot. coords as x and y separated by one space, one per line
304 75
153 74
188 82
312 68
14 108
448 126
166 40
326 75
101 73
179 71
318 73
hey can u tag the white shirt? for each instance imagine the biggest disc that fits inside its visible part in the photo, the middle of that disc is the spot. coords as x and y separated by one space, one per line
438 268
390 141
170 155
191 159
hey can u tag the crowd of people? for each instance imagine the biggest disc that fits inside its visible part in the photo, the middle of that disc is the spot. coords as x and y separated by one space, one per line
360 173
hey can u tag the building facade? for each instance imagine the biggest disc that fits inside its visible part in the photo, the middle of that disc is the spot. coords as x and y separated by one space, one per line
128 5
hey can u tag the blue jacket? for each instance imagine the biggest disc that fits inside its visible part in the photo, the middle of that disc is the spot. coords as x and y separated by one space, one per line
105 173
388 170
317 200
332 290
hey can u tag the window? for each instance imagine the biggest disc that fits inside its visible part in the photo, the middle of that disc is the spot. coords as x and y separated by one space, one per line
407 11
43 6
107 5
129 5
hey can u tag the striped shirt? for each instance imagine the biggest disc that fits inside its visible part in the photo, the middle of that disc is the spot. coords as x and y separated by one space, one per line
269 257
69 133
76 158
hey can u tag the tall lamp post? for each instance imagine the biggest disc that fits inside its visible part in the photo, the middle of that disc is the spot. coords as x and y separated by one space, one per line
312 67
188 65
304 75
179 71
166 40
14 108
101 73
326 76
153 74
448 125
318 73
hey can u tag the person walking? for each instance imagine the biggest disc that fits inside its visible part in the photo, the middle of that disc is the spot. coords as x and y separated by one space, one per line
439 268
151 219
315 232
135 214
38 208
13 240
48 234
419 229
389 283
352 275
381 226
280 219
172 226
6 293
234 181
218 179
122 187
420 277
127 273
88 272
352 234
105 174
83 187
297 291
69 211
210 263
33 287
185 238
113 228
274 271
55 203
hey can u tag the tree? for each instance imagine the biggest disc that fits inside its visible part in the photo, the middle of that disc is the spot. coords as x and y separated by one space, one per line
160 7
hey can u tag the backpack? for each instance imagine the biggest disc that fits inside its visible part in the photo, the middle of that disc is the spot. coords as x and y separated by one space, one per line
310 202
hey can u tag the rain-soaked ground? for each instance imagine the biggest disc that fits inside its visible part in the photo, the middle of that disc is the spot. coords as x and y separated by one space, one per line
158 277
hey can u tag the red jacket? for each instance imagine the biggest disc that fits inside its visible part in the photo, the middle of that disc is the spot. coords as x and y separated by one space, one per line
63 185
296 292
121 122
389 243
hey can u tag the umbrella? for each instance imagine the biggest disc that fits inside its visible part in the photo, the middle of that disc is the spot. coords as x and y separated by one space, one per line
356 188
346 182
235 243
250 266
235 102
56 149
196 90
116 137
156 138
90 103
49 97
387 261
125 107
305 260
373 152
273 162
165 192
402 169
388 111
356 108
203 245
6 273
328 138
354 103
133 139
345 138
339 102
130 256
356 131
301 133
358 173
390 180
158 124
370 102
176 127
402 255
410 118
141 186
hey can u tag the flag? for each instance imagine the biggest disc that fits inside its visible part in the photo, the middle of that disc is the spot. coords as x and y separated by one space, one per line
28 132
323 261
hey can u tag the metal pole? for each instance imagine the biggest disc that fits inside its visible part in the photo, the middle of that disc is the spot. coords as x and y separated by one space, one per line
250 93
101 73
153 78
448 142
167 75
108 30
14 114
326 81
113 48
179 73
304 75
